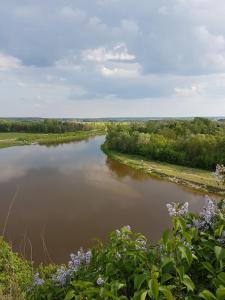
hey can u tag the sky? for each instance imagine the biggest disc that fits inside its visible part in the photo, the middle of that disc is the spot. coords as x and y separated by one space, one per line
112 58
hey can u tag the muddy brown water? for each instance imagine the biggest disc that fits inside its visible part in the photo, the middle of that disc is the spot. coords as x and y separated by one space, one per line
72 193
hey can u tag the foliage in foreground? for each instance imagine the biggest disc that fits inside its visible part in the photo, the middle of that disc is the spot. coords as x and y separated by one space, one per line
187 263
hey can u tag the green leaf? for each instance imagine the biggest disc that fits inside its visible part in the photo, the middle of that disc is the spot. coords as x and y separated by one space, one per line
138 281
165 237
154 288
208 267
220 252
189 283
70 295
186 253
143 295
166 292
165 277
220 293
219 230
221 277
207 295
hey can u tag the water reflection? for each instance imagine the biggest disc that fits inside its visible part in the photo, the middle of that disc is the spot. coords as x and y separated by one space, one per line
72 193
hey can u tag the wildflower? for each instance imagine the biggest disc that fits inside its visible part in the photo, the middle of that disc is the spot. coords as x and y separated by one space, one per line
209 211
220 171
141 244
128 227
176 210
100 281
118 233
118 255
76 260
37 280
61 276
88 256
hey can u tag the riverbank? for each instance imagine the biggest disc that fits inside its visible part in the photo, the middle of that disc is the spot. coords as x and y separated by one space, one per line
19 139
196 179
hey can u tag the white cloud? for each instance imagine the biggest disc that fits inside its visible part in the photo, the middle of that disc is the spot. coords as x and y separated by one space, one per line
193 90
213 48
121 70
102 54
8 62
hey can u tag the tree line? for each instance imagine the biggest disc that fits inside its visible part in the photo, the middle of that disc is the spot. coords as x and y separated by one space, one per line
199 143
47 126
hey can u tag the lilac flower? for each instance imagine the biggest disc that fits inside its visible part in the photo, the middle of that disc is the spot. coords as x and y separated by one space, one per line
88 256
37 280
128 227
76 260
209 211
142 245
118 233
221 240
176 210
61 276
100 281
220 171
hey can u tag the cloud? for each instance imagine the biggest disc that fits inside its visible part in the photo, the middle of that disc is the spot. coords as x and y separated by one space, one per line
118 53
193 90
8 62
111 57
119 70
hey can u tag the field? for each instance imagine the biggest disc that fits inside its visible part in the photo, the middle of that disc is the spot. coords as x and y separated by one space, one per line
196 179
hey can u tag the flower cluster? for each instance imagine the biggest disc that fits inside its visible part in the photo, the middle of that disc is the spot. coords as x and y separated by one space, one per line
141 244
209 211
221 239
176 209
220 172
121 233
37 280
100 281
60 277
75 262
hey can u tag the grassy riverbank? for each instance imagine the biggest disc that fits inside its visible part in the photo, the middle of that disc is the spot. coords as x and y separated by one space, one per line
19 139
196 179
187 263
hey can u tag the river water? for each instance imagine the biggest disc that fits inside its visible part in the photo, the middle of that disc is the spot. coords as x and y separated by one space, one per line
69 194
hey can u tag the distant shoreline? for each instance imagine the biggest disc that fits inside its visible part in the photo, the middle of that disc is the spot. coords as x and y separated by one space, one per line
195 179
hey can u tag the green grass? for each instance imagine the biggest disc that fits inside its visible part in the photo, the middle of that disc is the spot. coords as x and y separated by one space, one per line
18 139
196 179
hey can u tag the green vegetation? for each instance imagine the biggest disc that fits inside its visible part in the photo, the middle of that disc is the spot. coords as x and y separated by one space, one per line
48 126
197 179
19 139
187 263
199 143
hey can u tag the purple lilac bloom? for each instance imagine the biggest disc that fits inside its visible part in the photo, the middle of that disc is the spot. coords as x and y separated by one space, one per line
220 171
61 276
88 256
142 245
176 210
37 280
100 281
76 260
128 227
209 211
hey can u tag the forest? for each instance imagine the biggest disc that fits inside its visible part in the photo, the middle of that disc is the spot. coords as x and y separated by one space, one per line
47 126
199 143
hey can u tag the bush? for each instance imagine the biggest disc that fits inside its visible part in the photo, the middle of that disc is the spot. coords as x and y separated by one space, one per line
188 263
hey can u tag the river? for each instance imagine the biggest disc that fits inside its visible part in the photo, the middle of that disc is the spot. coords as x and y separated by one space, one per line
69 194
